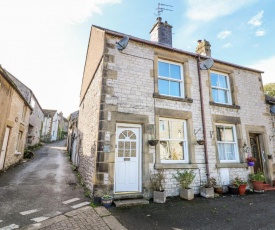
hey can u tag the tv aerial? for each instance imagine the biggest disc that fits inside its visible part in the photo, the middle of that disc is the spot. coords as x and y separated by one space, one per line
122 44
161 8
206 64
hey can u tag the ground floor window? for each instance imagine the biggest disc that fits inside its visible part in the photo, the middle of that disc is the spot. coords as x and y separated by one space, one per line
173 141
227 143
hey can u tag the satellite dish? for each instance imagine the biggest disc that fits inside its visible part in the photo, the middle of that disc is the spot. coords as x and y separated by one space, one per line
272 109
121 45
206 64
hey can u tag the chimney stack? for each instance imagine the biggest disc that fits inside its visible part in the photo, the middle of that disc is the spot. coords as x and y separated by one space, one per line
161 33
203 48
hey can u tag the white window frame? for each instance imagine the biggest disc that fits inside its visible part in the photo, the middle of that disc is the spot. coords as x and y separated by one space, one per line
184 140
172 79
228 89
235 143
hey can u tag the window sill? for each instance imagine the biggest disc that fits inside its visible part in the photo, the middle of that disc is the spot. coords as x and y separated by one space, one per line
157 95
231 165
175 166
224 105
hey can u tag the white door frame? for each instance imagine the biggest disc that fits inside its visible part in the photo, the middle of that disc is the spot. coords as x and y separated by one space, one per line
128 125
4 147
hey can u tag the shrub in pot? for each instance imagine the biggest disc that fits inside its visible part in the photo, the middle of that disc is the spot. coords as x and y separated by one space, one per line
257 180
185 178
207 190
241 184
157 180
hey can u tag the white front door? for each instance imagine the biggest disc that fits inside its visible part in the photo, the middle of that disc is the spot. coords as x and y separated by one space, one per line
128 158
4 148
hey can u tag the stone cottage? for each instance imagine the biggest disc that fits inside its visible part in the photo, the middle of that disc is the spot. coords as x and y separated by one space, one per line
50 126
202 117
14 121
37 115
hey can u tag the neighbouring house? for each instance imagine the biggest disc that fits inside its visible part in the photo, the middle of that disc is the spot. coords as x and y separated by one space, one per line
14 121
270 101
146 106
73 137
50 126
37 115
62 126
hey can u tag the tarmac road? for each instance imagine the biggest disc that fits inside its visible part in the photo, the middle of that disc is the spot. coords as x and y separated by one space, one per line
34 190
252 211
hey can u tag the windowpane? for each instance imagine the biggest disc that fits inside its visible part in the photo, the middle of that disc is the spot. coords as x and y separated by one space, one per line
215 95
175 71
175 88
173 145
163 87
222 96
164 130
226 138
163 69
214 79
222 81
176 129
171 150
228 134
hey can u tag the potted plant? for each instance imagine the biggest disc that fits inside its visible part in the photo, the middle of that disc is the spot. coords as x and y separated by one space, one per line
241 184
218 188
106 200
185 178
257 180
207 190
157 180
250 161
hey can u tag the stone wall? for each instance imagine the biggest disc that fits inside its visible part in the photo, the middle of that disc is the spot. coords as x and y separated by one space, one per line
17 123
130 95
88 129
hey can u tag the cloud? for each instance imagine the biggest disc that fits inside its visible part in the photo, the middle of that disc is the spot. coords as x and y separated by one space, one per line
227 45
207 10
40 46
257 19
266 65
224 34
260 33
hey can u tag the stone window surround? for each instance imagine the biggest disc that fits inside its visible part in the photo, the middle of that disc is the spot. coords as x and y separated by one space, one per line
229 71
171 57
183 115
233 121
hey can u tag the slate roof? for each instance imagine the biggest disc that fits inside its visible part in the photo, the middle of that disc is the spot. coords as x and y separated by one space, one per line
49 112
115 33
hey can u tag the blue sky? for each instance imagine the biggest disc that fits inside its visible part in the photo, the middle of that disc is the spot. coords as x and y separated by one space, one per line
44 42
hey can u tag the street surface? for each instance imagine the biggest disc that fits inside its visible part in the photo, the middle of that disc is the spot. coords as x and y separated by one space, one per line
39 189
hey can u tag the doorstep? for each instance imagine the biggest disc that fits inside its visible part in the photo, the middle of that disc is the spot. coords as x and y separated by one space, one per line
130 202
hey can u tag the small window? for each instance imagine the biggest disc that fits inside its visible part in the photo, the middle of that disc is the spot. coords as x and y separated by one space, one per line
170 79
220 88
227 143
173 141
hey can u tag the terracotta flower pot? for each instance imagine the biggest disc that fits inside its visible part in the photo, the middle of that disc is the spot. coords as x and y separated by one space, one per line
242 189
258 185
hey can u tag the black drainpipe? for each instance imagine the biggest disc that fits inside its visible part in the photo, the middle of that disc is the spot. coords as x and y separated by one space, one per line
203 121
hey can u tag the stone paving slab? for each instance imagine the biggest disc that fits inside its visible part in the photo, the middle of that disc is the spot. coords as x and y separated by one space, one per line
83 218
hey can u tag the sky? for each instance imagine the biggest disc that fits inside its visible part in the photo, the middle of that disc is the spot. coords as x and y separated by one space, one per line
43 43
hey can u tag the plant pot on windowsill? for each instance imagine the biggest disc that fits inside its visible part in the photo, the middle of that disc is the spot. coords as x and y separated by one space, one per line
153 142
200 142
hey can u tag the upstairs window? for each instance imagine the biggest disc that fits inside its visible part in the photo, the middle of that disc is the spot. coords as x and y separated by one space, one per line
227 143
173 141
170 79
220 88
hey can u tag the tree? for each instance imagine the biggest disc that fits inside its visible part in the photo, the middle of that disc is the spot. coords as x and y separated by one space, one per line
269 89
